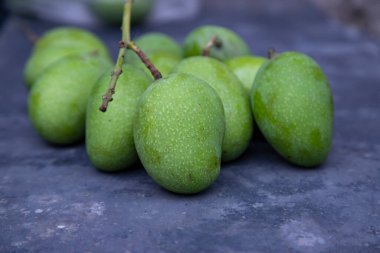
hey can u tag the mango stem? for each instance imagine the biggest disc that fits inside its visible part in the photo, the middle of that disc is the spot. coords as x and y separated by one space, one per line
153 70
214 42
117 71
272 53
29 33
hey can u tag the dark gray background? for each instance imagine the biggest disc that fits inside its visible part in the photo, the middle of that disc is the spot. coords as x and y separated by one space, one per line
53 200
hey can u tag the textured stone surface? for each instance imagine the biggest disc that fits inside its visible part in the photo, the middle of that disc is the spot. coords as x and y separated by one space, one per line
363 13
53 200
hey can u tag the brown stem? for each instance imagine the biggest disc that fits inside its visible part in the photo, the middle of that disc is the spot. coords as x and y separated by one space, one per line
153 70
214 42
117 71
29 33
107 97
272 53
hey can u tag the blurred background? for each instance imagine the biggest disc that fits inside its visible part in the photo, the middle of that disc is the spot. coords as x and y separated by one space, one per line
364 14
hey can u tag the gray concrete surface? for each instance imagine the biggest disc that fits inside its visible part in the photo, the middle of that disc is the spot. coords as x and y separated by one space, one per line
53 200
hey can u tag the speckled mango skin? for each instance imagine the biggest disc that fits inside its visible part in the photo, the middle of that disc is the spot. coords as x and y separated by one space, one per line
232 44
57 44
178 133
109 135
293 107
246 68
58 100
239 122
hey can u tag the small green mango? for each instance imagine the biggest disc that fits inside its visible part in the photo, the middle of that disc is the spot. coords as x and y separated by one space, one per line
111 11
109 135
246 68
239 123
293 107
178 133
163 61
141 10
232 44
57 44
41 60
162 51
154 44
58 100
70 37
158 42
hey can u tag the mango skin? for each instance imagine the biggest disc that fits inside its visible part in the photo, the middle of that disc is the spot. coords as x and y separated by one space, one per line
109 136
232 44
246 68
57 44
293 107
58 100
178 133
239 122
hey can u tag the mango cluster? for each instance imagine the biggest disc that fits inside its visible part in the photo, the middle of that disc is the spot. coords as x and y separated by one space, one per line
184 125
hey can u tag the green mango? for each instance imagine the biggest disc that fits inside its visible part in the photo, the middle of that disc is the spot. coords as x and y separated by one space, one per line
57 44
154 44
232 44
246 68
58 100
109 135
293 107
159 42
111 11
163 61
70 37
239 123
41 60
178 133
162 51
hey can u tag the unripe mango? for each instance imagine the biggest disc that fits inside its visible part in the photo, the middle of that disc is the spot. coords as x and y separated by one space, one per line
154 42
109 135
246 68
57 44
58 100
111 11
232 45
162 51
178 133
239 123
70 37
293 107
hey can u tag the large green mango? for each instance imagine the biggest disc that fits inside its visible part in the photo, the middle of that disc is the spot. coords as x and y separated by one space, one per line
239 123
109 135
58 100
57 44
293 107
178 133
